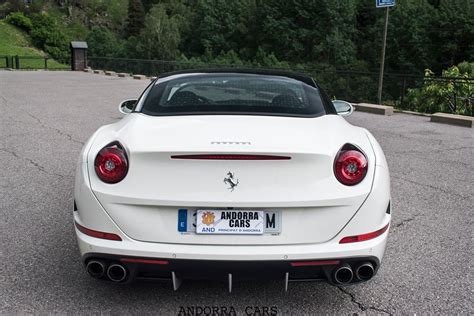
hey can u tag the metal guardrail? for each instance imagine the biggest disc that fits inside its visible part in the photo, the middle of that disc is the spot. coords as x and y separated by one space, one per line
33 62
353 86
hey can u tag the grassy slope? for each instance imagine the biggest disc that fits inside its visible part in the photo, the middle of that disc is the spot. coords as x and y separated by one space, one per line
16 42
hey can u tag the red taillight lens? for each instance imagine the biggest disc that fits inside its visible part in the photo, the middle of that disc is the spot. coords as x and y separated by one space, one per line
111 164
364 237
350 166
98 234
231 157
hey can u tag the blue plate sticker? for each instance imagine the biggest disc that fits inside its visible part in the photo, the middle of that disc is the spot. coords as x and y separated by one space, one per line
182 220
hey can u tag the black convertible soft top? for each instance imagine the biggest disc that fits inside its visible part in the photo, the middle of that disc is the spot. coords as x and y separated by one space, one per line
256 71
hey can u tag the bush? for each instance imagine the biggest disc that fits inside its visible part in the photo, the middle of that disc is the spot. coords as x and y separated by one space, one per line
20 20
103 43
445 94
47 35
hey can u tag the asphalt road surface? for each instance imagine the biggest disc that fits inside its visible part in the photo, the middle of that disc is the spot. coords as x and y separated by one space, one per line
45 117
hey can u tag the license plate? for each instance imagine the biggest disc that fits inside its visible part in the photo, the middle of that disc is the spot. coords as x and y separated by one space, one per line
229 222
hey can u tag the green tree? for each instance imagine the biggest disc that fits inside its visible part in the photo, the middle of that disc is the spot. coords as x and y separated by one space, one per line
103 43
136 16
222 26
160 36
409 48
452 34
314 31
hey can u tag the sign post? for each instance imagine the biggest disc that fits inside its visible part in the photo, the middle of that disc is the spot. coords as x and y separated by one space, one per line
383 4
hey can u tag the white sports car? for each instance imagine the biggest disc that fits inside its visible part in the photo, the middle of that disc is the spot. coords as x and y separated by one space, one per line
232 174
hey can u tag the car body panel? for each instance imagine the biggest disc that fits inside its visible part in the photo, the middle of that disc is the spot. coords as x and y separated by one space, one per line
317 211
303 189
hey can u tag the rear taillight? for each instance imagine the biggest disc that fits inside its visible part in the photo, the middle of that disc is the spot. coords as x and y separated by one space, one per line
111 163
350 166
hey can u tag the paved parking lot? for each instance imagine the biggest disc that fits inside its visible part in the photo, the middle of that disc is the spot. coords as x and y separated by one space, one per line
45 117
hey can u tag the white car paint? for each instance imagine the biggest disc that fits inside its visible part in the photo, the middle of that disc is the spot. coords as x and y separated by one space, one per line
317 211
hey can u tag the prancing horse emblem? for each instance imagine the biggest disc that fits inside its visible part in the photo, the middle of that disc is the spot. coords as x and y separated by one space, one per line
231 181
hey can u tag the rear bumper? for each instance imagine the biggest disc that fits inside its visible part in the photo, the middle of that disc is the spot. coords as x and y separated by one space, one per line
174 262
134 248
239 270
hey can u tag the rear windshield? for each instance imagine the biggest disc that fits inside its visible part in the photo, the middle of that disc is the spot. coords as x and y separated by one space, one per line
239 94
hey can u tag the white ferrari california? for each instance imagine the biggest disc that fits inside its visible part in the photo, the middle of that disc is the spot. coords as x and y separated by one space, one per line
232 174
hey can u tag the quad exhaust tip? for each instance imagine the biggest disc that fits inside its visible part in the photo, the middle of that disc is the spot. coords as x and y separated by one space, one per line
365 271
116 272
95 268
343 274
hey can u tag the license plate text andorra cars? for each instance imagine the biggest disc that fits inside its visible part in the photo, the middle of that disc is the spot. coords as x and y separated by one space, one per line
230 222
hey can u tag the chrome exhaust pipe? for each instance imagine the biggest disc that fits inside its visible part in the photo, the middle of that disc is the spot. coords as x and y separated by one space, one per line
116 272
343 274
95 268
365 271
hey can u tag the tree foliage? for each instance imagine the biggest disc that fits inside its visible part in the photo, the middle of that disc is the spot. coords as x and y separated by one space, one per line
136 16
47 34
160 36
19 20
443 94
324 37
103 42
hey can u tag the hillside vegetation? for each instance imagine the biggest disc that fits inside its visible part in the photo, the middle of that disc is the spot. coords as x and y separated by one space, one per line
14 41
324 34
336 41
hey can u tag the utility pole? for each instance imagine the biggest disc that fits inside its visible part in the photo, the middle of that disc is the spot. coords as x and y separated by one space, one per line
382 59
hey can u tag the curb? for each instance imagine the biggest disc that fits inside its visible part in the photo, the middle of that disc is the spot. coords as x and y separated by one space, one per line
444 118
453 119
412 113
374 108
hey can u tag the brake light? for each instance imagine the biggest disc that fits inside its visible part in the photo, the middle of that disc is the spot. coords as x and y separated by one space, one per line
111 163
350 165
364 237
231 157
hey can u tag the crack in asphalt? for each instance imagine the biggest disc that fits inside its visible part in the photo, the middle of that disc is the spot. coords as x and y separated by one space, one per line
361 306
432 187
35 164
60 132
5 102
431 151
403 222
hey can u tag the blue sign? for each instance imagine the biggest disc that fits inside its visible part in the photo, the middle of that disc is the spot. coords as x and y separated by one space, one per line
384 3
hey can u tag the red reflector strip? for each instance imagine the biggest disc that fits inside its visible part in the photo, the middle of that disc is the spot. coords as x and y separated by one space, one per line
147 261
98 234
314 263
364 237
231 157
